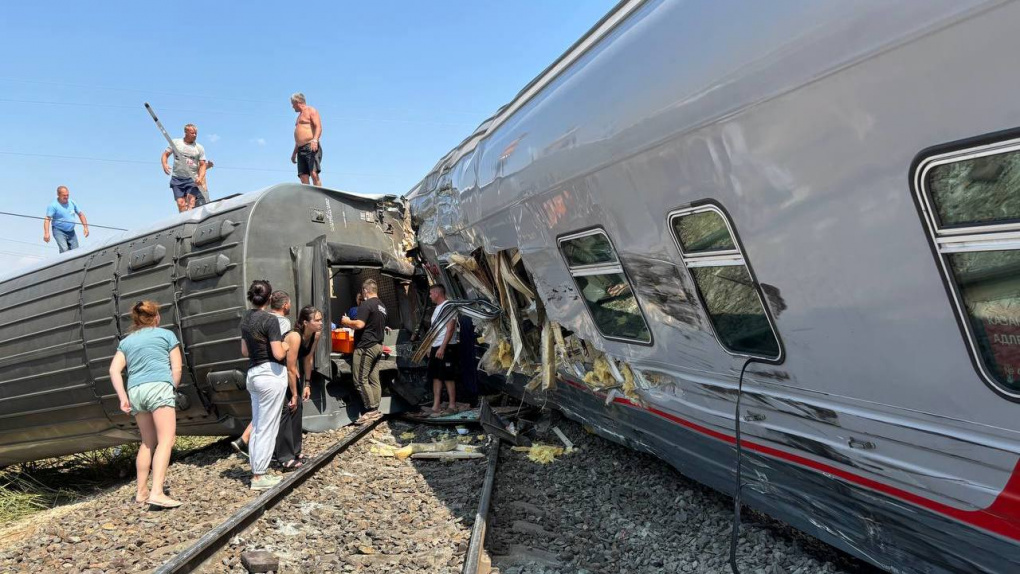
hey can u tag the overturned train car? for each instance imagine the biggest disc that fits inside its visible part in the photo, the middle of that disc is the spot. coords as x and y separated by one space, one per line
816 215
61 321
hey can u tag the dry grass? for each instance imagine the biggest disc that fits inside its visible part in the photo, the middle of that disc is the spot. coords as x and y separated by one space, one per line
28 488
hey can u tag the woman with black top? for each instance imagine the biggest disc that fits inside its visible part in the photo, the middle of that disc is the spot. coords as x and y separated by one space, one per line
262 343
301 342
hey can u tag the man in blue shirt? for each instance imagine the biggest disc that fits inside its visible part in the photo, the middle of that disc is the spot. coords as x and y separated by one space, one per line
61 212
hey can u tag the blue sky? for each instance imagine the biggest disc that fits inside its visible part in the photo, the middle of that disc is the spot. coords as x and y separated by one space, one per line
397 83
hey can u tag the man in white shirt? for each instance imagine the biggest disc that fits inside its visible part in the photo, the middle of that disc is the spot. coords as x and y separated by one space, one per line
442 359
188 173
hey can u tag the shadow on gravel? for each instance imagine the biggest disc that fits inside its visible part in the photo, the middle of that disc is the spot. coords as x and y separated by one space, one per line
28 488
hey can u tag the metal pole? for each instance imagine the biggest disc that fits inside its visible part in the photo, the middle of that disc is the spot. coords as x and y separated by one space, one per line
170 140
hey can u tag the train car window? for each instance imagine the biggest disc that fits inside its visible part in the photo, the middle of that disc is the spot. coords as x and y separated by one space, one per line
702 232
607 292
976 191
588 250
970 203
734 305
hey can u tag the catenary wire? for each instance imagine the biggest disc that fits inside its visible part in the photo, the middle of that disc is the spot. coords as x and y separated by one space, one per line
481 114
235 112
33 244
141 162
16 254
77 223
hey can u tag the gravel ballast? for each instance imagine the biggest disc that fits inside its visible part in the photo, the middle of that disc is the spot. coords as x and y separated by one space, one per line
600 509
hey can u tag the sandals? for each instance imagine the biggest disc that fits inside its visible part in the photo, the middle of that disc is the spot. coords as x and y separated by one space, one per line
292 464
164 503
369 417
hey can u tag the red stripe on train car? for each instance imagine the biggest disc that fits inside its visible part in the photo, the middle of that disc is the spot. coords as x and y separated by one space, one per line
1001 517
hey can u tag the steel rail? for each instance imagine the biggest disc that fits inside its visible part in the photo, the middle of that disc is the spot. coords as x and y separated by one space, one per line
474 552
211 542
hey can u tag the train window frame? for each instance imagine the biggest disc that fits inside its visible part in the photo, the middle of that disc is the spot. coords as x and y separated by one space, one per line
576 271
723 258
946 240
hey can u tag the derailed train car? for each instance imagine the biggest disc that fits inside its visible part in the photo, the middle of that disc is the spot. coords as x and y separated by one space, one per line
787 227
61 321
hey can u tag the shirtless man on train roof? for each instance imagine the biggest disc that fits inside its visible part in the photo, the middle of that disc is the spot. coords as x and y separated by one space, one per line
307 131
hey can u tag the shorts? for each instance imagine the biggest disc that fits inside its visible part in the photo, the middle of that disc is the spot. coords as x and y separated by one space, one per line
443 369
184 186
308 161
148 397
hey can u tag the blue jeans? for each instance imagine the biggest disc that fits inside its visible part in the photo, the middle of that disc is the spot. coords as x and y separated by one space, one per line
65 239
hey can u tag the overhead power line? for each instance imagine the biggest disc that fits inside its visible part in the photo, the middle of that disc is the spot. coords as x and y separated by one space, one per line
153 162
15 253
76 223
35 244
277 102
237 112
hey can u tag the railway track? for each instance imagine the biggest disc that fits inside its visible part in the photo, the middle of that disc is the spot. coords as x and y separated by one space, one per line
193 557
200 551
600 509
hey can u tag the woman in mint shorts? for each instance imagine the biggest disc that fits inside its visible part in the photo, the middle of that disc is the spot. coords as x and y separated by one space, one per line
152 357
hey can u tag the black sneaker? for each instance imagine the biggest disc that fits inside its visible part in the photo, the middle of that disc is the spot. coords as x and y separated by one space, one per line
240 446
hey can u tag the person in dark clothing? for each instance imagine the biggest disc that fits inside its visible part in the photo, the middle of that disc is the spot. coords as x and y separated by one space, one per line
369 328
301 342
262 343
466 354
353 311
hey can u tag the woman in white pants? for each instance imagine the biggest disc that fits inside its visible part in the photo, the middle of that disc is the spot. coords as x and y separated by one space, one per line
262 343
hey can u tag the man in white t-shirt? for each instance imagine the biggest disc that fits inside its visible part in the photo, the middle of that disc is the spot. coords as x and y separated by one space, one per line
188 173
442 357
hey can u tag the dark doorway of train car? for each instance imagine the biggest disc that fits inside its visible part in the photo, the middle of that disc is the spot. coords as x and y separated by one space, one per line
339 273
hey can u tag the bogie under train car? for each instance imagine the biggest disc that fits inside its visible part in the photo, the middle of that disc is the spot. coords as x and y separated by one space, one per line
807 209
61 321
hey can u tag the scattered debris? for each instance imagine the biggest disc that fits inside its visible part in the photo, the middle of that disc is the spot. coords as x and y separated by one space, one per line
569 446
541 453
260 561
407 435
495 424
449 455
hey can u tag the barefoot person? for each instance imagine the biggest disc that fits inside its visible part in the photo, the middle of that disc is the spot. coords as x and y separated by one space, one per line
369 328
263 344
307 131
153 359
188 173
441 369
301 344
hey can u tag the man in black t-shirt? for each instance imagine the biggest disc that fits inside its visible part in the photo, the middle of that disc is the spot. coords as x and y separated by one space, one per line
369 328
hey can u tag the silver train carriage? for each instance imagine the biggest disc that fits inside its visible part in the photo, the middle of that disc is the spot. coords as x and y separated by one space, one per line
830 190
60 322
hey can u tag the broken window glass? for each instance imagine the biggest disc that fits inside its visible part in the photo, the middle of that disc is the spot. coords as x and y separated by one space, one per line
979 190
973 196
605 289
703 231
591 249
613 306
